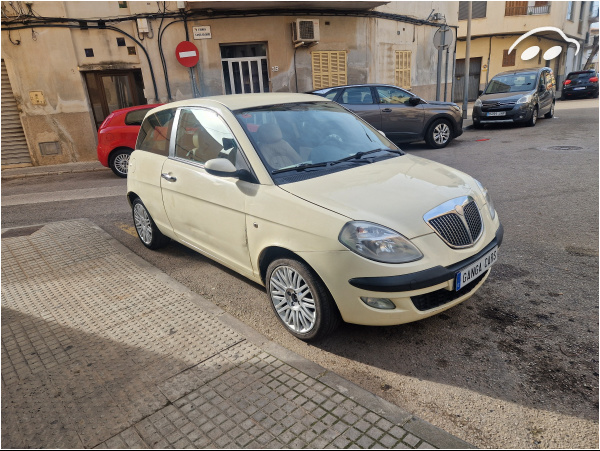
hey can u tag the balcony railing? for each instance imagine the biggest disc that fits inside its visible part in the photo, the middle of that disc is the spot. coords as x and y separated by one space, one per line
523 9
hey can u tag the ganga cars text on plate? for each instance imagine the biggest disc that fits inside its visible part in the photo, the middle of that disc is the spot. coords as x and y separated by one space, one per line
400 114
302 196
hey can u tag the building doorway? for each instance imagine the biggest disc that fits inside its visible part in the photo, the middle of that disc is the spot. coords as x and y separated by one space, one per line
474 77
113 90
245 68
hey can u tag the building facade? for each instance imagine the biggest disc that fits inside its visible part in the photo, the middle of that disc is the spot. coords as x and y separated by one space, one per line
67 65
496 25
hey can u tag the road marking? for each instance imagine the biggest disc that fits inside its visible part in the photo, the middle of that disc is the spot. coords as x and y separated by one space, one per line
57 196
127 228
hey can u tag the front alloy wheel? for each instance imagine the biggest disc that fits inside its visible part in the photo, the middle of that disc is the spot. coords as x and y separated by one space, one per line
439 134
300 299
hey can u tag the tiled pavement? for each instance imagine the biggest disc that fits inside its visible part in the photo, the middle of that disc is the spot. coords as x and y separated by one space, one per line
100 349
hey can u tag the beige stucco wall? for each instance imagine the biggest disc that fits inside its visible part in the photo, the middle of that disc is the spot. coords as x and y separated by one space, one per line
55 62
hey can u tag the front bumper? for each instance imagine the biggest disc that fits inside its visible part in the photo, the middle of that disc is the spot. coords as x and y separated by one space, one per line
416 295
521 112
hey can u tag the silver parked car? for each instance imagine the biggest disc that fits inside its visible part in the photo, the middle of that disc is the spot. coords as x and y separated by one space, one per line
400 114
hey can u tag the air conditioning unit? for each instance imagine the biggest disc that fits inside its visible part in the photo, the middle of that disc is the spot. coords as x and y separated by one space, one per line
305 30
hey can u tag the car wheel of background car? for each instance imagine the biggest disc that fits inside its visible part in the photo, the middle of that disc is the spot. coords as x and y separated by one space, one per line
119 161
550 113
563 97
533 119
439 134
300 300
146 229
595 95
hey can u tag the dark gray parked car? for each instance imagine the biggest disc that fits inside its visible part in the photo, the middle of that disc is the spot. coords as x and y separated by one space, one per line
579 84
517 96
400 114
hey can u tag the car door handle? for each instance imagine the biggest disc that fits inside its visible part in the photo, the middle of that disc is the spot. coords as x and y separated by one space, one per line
168 177
386 110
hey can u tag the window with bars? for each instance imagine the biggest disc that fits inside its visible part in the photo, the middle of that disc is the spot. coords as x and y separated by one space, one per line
508 60
402 68
329 68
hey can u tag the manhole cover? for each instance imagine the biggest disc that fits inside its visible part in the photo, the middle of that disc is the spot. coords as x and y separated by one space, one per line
565 148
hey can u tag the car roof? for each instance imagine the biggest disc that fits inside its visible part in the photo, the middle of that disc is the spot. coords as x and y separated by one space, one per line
521 71
136 107
329 88
588 71
235 102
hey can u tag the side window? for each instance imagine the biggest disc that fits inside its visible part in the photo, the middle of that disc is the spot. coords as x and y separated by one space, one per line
155 133
203 135
360 95
136 117
389 95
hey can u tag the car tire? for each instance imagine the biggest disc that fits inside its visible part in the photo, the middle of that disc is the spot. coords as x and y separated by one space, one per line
550 113
595 95
145 227
563 97
309 317
531 122
119 161
439 134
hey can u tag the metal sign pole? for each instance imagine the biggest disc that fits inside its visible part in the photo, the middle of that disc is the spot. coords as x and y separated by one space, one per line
467 60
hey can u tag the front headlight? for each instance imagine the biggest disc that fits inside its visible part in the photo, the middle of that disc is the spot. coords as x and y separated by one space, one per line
378 243
525 99
488 199
478 102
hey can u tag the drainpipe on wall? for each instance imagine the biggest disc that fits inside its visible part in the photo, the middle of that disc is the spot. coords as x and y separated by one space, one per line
487 75
467 60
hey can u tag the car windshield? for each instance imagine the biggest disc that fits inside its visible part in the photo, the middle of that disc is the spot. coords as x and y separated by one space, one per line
311 135
512 83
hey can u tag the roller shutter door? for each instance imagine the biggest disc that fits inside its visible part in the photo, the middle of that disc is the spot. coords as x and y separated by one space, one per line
14 145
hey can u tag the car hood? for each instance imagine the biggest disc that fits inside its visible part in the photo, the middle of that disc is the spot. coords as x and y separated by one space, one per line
507 96
395 193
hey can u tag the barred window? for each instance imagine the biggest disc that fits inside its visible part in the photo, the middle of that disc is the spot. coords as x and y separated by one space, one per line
329 68
402 68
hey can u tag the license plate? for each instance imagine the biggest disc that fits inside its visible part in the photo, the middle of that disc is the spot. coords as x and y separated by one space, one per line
467 275
497 113
575 89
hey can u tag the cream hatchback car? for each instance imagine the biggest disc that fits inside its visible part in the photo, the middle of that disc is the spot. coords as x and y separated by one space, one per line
302 196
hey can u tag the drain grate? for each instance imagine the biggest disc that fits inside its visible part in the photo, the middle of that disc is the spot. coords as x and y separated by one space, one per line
565 148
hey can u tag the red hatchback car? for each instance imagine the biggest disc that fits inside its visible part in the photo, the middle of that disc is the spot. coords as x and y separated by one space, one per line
117 136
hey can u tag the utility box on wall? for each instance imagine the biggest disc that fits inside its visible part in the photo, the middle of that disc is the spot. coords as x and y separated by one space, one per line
305 30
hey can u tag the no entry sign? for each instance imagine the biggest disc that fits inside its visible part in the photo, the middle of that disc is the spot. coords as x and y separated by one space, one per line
187 53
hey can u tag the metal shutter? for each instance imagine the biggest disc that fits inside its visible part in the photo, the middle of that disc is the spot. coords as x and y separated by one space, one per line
479 10
329 69
14 144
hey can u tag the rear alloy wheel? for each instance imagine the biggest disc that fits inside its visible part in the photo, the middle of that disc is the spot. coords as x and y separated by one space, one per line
550 113
439 134
531 122
119 161
300 300
146 229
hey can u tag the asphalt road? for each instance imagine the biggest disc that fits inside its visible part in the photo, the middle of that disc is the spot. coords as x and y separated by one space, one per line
516 366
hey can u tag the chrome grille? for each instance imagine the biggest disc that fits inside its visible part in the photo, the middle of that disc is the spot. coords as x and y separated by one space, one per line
457 222
452 229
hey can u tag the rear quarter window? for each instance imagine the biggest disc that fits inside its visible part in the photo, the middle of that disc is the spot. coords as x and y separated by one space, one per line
155 133
136 117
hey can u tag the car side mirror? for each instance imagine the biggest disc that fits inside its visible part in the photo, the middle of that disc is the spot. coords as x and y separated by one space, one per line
382 133
480 93
221 167
414 101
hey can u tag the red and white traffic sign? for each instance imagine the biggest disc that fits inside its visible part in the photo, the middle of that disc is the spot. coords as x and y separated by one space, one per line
187 53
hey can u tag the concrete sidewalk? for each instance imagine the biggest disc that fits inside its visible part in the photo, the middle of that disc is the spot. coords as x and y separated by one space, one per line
102 350
55 169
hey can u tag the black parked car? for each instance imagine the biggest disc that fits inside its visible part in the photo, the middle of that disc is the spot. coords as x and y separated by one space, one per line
517 96
400 114
580 84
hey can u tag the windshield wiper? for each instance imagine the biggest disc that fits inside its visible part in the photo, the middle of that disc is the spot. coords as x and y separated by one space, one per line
359 155
300 167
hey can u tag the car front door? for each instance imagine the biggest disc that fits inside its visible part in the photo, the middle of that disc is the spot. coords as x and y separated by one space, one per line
360 100
399 119
206 212
544 94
